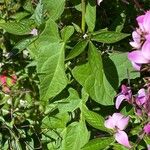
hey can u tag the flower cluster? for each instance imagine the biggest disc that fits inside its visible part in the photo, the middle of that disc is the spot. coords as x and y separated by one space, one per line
140 101
141 105
141 42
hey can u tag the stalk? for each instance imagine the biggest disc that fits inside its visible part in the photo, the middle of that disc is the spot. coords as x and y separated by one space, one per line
83 5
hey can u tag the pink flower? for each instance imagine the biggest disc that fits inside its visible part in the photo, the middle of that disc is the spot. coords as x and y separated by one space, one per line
147 128
34 32
7 81
125 94
118 122
3 79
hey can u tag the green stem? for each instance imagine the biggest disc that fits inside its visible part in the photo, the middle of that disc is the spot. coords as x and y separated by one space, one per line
83 5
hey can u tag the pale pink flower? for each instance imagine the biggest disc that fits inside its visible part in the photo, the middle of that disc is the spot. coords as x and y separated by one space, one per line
34 32
118 123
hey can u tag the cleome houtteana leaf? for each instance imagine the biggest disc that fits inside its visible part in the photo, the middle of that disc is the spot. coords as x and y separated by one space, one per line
51 70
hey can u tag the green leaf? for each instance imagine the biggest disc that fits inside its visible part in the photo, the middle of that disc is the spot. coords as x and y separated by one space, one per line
109 37
147 139
77 4
20 15
77 28
116 68
94 119
28 6
119 147
4 99
38 13
101 83
54 8
50 34
135 130
53 122
71 103
5 146
23 44
120 21
90 15
98 143
77 50
51 70
67 32
16 28
92 78
85 96
76 136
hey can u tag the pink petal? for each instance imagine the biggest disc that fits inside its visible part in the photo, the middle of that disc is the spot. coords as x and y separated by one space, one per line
140 20
116 121
136 37
136 66
119 100
124 89
142 97
135 44
99 1
34 32
122 138
148 147
3 79
147 128
6 89
146 22
146 50
147 37
117 116
122 123
109 123
141 92
14 79
137 57
138 111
